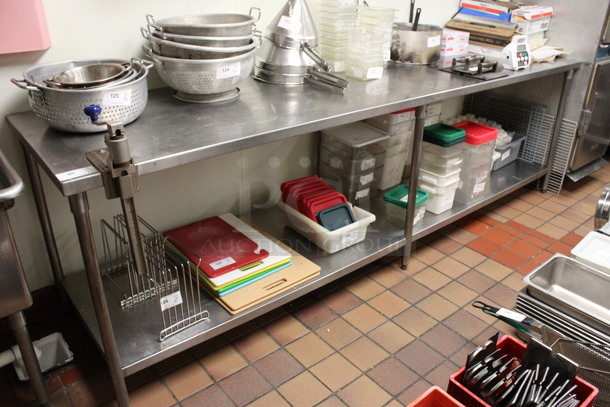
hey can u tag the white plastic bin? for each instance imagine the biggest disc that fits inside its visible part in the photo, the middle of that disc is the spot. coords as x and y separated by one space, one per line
393 168
329 241
438 179
594 250
440 199
441 167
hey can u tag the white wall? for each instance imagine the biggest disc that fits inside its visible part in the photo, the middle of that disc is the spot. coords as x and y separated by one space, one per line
111 29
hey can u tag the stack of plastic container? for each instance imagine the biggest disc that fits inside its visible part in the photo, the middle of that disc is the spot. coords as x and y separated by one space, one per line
369 43
440 167
335 20
352 158
477 154
399 125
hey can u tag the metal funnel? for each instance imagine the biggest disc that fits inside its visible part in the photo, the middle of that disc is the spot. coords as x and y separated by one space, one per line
293 26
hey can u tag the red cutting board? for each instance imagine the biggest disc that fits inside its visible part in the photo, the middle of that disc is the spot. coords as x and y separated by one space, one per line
215 246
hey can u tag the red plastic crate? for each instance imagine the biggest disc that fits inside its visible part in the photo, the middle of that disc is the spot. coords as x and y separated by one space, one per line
476 133
435 397
584 391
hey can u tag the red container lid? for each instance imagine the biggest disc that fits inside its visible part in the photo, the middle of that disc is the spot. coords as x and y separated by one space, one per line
476 133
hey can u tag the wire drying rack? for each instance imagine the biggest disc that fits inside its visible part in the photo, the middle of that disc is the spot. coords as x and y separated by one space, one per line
526 120
166 282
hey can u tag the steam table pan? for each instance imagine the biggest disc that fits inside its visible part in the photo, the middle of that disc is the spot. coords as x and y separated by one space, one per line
573 288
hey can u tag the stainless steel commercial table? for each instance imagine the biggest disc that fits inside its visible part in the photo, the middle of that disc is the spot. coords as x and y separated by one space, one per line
171 133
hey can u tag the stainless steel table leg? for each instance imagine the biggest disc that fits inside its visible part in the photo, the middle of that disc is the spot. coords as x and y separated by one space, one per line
80 209
17 324
44 218
420 116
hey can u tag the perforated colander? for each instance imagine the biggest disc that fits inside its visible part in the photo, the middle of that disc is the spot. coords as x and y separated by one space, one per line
204 76
62 109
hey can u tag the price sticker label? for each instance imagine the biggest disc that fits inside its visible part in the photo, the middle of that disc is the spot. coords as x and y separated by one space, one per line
229 71
503 312
227 261
366 179
368 164
170 301
374 72
289 23
505 155
349 237
362 193
118 98
336 162
81 172
434 41
480 187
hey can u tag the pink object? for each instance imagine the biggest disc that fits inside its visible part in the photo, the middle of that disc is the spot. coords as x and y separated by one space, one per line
23 26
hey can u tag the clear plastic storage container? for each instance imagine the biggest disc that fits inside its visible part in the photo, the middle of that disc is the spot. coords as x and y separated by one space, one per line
355 141
440 151
441 167
354 187
396 202
393 168
351 168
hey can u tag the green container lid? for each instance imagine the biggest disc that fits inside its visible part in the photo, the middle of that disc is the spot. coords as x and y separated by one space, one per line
399 195
444 132
444 143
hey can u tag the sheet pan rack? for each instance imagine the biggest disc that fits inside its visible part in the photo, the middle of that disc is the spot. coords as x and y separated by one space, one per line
168 283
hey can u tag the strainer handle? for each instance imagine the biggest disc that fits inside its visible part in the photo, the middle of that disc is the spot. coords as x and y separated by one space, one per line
24 85
145 33
93 111
258 11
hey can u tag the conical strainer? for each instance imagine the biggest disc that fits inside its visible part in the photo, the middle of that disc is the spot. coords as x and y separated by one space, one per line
287 55
293 26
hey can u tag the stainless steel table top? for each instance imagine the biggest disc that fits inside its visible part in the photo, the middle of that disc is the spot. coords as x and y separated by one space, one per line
171 133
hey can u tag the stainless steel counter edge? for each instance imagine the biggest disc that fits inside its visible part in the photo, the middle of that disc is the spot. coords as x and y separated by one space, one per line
170 133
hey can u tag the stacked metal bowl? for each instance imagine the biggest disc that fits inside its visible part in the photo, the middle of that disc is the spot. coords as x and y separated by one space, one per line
58 92
203 57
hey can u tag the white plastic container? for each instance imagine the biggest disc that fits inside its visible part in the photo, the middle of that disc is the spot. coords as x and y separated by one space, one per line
439 180
348 167
392 128
396 205
441 167
440 199
452 157
395 117
393 168
329 241
399 142
442 151
594 250
355 141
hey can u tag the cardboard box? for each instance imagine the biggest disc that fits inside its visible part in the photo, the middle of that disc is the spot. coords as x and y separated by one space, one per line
532 19
494 10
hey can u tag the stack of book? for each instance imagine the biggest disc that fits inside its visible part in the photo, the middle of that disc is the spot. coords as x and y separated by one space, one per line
230 257
484 31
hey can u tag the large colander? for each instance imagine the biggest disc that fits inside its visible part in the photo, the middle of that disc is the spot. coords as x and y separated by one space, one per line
203 76
62 109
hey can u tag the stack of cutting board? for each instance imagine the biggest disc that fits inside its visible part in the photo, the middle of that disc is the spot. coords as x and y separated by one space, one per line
235 263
